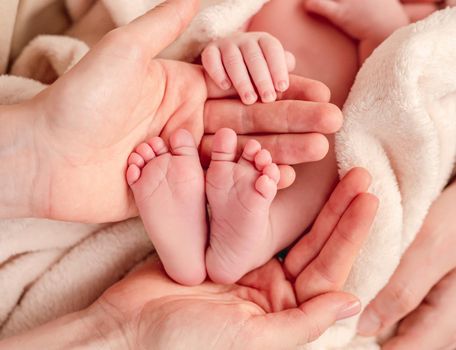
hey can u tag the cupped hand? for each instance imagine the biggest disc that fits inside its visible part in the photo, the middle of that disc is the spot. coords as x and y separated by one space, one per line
88 121
265 309
422 292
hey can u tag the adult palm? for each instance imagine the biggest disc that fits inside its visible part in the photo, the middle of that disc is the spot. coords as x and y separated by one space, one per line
264 310
90 119
93 116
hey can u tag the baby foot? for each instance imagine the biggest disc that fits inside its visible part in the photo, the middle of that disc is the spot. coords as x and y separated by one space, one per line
168 187
239 195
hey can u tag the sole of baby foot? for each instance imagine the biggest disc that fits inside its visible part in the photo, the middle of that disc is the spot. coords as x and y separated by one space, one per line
239 195
168 186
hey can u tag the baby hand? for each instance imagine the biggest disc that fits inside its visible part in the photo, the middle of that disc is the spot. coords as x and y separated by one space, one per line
362 19
249 62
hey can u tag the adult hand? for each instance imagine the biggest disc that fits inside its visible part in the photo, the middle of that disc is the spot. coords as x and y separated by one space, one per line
422 292
261 311
88 121
264 310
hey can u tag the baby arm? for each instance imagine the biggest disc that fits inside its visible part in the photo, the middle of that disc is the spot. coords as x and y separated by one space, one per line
251 63
369 21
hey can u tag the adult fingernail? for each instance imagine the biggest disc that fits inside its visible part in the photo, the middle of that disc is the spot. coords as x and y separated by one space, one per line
349 310
369 324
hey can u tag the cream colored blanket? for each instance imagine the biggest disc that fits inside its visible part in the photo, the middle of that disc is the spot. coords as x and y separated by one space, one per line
400 125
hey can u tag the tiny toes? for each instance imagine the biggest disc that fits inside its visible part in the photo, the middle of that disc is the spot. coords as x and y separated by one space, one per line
266 187
262 159
145 151
251 148
158 146
273 172
133 174
136 159
182 143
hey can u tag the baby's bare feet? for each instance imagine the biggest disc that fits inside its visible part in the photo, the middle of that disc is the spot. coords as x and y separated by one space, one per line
168 186
240 195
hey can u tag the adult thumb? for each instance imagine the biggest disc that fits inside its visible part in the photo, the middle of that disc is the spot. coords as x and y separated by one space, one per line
159 27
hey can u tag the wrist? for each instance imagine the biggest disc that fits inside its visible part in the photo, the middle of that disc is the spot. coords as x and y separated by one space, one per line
80 330
19 164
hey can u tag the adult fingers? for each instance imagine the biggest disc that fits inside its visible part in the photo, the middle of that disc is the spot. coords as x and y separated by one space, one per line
278 117
330 269
285 149
154 31
301 88
354 183
431 253
431 325
292 328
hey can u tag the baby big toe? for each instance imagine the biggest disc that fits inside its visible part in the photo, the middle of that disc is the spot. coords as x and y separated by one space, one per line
224 145
182 144
266 186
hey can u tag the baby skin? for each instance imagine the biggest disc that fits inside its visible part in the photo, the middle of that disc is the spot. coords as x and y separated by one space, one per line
170 190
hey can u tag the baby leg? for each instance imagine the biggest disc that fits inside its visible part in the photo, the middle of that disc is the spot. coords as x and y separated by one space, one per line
168 186
240 195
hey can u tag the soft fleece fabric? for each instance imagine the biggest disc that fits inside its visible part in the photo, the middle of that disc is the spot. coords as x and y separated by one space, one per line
400 125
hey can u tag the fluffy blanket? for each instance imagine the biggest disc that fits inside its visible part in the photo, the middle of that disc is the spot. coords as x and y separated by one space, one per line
400 125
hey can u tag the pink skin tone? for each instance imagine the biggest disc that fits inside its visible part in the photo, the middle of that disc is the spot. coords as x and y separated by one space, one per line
317 59
239 195
253 63
321 61
224 63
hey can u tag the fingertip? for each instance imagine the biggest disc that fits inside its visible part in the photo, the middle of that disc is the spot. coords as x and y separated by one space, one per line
319 149
359 178
287 176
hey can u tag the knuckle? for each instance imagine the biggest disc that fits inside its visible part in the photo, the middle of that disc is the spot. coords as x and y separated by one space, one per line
323 270
404 299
